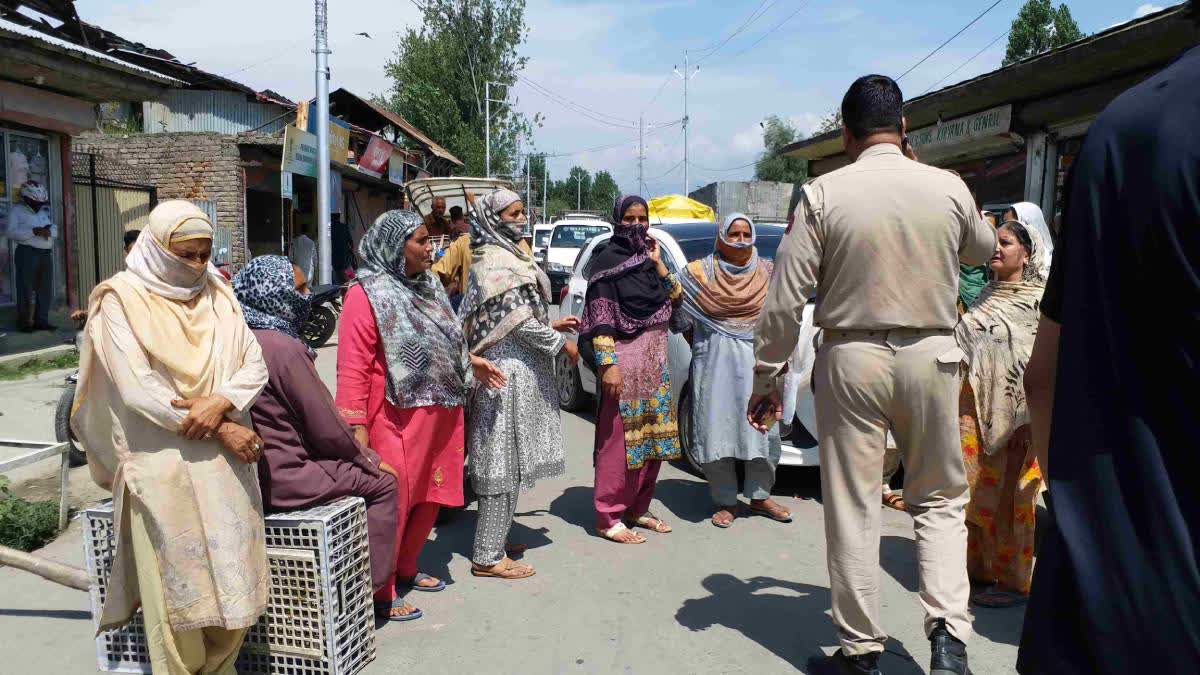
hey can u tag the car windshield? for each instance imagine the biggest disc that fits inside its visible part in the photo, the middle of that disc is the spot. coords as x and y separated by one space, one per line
575 236
694 249
542 238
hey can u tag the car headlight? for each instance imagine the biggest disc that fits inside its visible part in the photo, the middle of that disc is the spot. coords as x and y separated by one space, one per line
559 267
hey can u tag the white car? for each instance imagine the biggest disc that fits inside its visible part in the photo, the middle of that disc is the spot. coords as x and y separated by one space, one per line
569 236
682 243
541 241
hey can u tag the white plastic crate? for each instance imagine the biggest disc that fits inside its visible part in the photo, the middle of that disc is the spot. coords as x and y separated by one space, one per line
319 618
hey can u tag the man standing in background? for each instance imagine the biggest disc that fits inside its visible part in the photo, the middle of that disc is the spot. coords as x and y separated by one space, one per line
880 242
30 226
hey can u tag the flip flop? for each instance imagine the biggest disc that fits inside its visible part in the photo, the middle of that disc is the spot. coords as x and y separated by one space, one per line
612 532
732 510
653 523
421 576
512 570
767 513
383 611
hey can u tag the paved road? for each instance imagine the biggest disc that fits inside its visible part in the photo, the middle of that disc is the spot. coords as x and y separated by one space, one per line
753 598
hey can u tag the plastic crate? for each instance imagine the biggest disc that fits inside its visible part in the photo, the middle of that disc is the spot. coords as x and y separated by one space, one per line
319 618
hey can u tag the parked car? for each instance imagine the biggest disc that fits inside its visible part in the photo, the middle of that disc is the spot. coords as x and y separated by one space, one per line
570 235
681 244
541 241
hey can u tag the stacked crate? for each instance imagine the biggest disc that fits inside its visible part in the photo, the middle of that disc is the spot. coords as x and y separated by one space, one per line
319 618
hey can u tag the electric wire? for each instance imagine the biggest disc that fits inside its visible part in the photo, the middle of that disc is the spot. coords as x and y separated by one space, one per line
774 28
757 14
950 39
594 115
964 63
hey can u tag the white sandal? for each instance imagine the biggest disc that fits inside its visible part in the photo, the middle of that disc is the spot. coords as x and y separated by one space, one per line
611 533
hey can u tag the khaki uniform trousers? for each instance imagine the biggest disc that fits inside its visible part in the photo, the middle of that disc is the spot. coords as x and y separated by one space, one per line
868 382
203 650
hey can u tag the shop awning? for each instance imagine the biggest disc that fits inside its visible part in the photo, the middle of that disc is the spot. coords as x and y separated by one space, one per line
374 117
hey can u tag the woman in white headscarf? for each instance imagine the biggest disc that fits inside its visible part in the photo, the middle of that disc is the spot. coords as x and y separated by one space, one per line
997 335
168 372
514 434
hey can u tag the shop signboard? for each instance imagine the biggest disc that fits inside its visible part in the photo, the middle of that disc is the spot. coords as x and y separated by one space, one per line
993 122
339 137
374 160
299 152
396 167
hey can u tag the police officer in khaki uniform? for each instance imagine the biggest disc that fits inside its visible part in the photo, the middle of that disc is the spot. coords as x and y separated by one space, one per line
880 242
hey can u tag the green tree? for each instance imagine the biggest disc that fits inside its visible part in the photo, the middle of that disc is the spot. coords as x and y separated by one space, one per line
604 192
1040 27
439 71
832 121
777 133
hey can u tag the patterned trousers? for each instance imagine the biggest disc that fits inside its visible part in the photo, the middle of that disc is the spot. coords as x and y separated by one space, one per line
495 517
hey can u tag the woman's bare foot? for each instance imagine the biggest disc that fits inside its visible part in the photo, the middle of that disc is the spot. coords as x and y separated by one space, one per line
505 569
770 508
724 516
622 535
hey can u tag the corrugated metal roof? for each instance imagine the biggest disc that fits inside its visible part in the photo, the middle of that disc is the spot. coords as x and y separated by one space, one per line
223 112
25 33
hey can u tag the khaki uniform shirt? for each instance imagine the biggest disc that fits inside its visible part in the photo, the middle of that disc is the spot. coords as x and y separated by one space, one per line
879 241
455 263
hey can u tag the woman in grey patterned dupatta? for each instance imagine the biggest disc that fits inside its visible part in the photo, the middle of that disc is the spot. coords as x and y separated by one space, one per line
514 434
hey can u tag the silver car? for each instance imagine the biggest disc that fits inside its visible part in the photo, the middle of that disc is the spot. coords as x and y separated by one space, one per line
682 243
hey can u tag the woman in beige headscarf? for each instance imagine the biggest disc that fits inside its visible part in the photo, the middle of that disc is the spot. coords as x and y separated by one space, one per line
168 373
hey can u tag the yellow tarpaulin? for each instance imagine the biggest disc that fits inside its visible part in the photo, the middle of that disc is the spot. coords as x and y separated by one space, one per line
677 208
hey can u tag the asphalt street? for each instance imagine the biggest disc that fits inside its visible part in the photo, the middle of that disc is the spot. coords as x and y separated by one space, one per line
753 598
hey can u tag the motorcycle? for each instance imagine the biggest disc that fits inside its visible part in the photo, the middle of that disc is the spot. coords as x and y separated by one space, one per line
62 414
322 320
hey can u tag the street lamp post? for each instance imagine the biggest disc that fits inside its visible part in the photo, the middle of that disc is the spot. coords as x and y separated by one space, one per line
321 49
578 192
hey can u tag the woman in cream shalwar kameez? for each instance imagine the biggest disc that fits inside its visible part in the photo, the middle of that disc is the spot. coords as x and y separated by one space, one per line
164 335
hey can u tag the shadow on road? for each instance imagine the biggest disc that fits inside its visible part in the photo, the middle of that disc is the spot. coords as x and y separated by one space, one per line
685 499
792 624
574 506
898 556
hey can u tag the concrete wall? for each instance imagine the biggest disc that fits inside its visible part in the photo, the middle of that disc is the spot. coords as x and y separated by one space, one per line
193 166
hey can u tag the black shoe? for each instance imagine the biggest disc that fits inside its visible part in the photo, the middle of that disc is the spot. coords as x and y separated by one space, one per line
949 654
840 664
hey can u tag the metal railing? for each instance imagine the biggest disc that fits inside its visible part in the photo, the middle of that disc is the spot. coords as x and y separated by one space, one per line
42 451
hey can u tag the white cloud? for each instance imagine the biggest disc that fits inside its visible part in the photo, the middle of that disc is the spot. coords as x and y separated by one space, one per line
1145 9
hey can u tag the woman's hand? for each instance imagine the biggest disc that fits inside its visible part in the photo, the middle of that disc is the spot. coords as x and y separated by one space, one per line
389 469
487 372
362 435
572 351
241 441
205 415
567 324
654 252
611 382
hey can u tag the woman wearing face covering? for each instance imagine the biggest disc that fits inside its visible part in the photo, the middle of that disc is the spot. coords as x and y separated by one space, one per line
997 335
168 372
310 456
723 296
403 377
630 301
515 436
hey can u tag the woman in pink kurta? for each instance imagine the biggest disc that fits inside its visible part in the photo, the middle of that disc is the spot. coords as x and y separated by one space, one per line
403 373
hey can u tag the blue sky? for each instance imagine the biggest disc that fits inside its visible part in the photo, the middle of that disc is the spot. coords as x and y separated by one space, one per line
614 57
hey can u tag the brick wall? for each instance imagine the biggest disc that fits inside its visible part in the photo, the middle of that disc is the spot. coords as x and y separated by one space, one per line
195 166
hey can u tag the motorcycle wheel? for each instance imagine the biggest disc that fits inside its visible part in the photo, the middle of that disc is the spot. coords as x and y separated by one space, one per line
62 426
321 324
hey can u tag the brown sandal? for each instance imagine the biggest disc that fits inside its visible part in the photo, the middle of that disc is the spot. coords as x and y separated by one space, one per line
723 523
894 500
653 523
615 531
772 510
509 569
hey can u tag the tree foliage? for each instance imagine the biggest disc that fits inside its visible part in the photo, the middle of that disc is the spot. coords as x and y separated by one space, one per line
1040 27
832 121
595 192
777 133
439 71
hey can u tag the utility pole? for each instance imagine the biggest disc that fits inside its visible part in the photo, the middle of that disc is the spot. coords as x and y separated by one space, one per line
321 49
686 76
528 195
545 190
641 152
578 192
487 120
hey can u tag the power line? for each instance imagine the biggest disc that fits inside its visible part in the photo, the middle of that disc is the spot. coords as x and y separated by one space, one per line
595 115
732 168
610 146
964 63
754 16
951 39
668 173
776 27
662 87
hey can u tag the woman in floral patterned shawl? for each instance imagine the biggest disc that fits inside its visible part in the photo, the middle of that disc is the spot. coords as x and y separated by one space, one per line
997 334
514 434
631 299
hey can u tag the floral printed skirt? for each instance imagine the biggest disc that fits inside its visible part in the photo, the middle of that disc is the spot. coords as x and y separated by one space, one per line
1001 514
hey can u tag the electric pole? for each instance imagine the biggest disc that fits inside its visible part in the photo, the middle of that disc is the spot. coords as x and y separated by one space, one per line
545 190
578 192
528 195
686 76
487 122
641 152
321 49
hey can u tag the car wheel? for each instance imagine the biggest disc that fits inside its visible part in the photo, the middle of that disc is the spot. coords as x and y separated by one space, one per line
62 426
689 463
570 389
